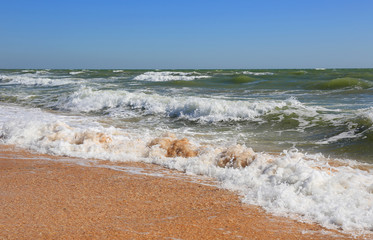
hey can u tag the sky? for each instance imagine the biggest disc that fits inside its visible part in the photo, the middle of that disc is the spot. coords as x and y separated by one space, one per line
186 34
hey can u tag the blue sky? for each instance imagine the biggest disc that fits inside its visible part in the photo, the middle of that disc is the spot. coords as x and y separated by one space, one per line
186 34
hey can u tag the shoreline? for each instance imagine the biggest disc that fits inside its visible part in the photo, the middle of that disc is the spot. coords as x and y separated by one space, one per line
60 199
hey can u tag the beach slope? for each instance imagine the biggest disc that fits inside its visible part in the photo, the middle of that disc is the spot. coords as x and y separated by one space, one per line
46 197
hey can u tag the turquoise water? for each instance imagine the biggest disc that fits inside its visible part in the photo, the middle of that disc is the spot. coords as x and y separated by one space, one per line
315 110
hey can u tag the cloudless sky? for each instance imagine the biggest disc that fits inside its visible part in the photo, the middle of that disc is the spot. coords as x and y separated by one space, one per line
186 34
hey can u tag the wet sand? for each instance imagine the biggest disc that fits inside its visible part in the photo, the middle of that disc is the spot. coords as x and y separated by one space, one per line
57 199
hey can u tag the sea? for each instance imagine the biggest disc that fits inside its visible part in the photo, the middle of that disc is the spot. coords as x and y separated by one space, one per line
297 142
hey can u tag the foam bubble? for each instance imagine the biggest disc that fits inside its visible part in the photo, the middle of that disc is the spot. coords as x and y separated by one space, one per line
169 76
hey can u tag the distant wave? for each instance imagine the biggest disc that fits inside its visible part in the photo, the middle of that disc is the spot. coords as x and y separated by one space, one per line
257 73
239 79
169 76
34 79
346 82
76 72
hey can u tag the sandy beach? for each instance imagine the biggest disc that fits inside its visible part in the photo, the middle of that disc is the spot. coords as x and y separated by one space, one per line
186 120
47 197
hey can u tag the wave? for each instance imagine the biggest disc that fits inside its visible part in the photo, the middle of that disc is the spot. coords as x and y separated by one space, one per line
76 72
341 136
346 82
33 80
169 76
189 108
354 136
242 79
367 113
257 73
311 187
349 133
277 115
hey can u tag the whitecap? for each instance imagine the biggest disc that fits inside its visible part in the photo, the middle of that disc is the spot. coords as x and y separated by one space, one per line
257 73
34 79
169 76
76 72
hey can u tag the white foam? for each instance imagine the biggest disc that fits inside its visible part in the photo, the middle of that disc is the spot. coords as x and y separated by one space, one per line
343 135
169 76
293 183
367 113
76 72
53 134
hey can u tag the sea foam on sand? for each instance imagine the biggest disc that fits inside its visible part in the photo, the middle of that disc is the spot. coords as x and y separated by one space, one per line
292 183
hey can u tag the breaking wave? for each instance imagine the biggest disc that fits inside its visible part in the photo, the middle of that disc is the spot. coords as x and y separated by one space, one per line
257 73
76 72
33 80
190 108
169 76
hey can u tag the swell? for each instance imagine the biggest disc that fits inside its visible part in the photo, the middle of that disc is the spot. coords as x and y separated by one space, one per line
345 82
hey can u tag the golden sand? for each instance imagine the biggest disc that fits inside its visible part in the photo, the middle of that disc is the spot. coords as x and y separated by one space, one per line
53 199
